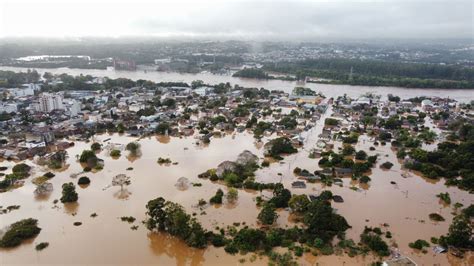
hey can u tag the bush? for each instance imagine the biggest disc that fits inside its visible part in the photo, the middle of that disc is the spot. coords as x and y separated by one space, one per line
375 243
444 197
21 170
331 122
279 146
361 155
133 147
87 156
115 153
19 231
364 179
164 160
436 217
217 199
49 175
267 215
41 246
386 165
232 195
83 180
419 244
69 193
95 146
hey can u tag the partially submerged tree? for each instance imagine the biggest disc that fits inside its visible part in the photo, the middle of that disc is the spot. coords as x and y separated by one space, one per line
19 231
267 215
121 180
133 148
69 193
43 189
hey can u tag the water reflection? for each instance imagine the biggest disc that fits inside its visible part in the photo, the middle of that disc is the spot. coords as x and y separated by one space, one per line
164 244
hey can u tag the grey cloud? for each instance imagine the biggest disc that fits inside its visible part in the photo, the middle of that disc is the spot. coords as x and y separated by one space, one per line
288 19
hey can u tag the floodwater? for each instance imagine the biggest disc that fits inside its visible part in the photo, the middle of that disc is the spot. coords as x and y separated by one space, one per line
106 239
327 89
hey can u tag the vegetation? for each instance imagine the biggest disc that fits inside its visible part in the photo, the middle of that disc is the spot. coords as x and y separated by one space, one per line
267 215
419 244
444 197
331 122
436 217
232 195
251 73
371 238
89 158
115 153
460 234
170 217
69 193
302 91
83 180
386 165
128 219
96 146
19 171
379 73
320 220
217 198
452 161
133 148
280 146
164 160
41 246
19 231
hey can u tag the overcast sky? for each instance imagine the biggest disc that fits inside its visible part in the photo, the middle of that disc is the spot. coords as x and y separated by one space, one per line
235 19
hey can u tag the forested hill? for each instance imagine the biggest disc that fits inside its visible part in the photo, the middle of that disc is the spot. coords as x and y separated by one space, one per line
380 73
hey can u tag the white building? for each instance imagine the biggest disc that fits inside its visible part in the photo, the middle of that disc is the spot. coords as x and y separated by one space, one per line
203 91
426 104
49 102
8 108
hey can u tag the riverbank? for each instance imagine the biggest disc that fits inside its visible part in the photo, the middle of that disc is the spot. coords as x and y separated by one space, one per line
330 90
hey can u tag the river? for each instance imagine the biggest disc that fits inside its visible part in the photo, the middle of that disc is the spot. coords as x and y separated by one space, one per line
329 90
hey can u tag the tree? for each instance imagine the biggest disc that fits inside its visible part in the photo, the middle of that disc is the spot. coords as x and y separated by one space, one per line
348 149
267 215
162 128
361 155
69 193
115 153
321 221
19 231
121 180
170 217
460 233
83 180
217 198
298 203
95 146
232 195
279 146
88 157
133 147
281 196
197 83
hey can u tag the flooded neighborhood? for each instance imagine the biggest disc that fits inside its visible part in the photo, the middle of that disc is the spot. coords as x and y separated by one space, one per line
185 143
